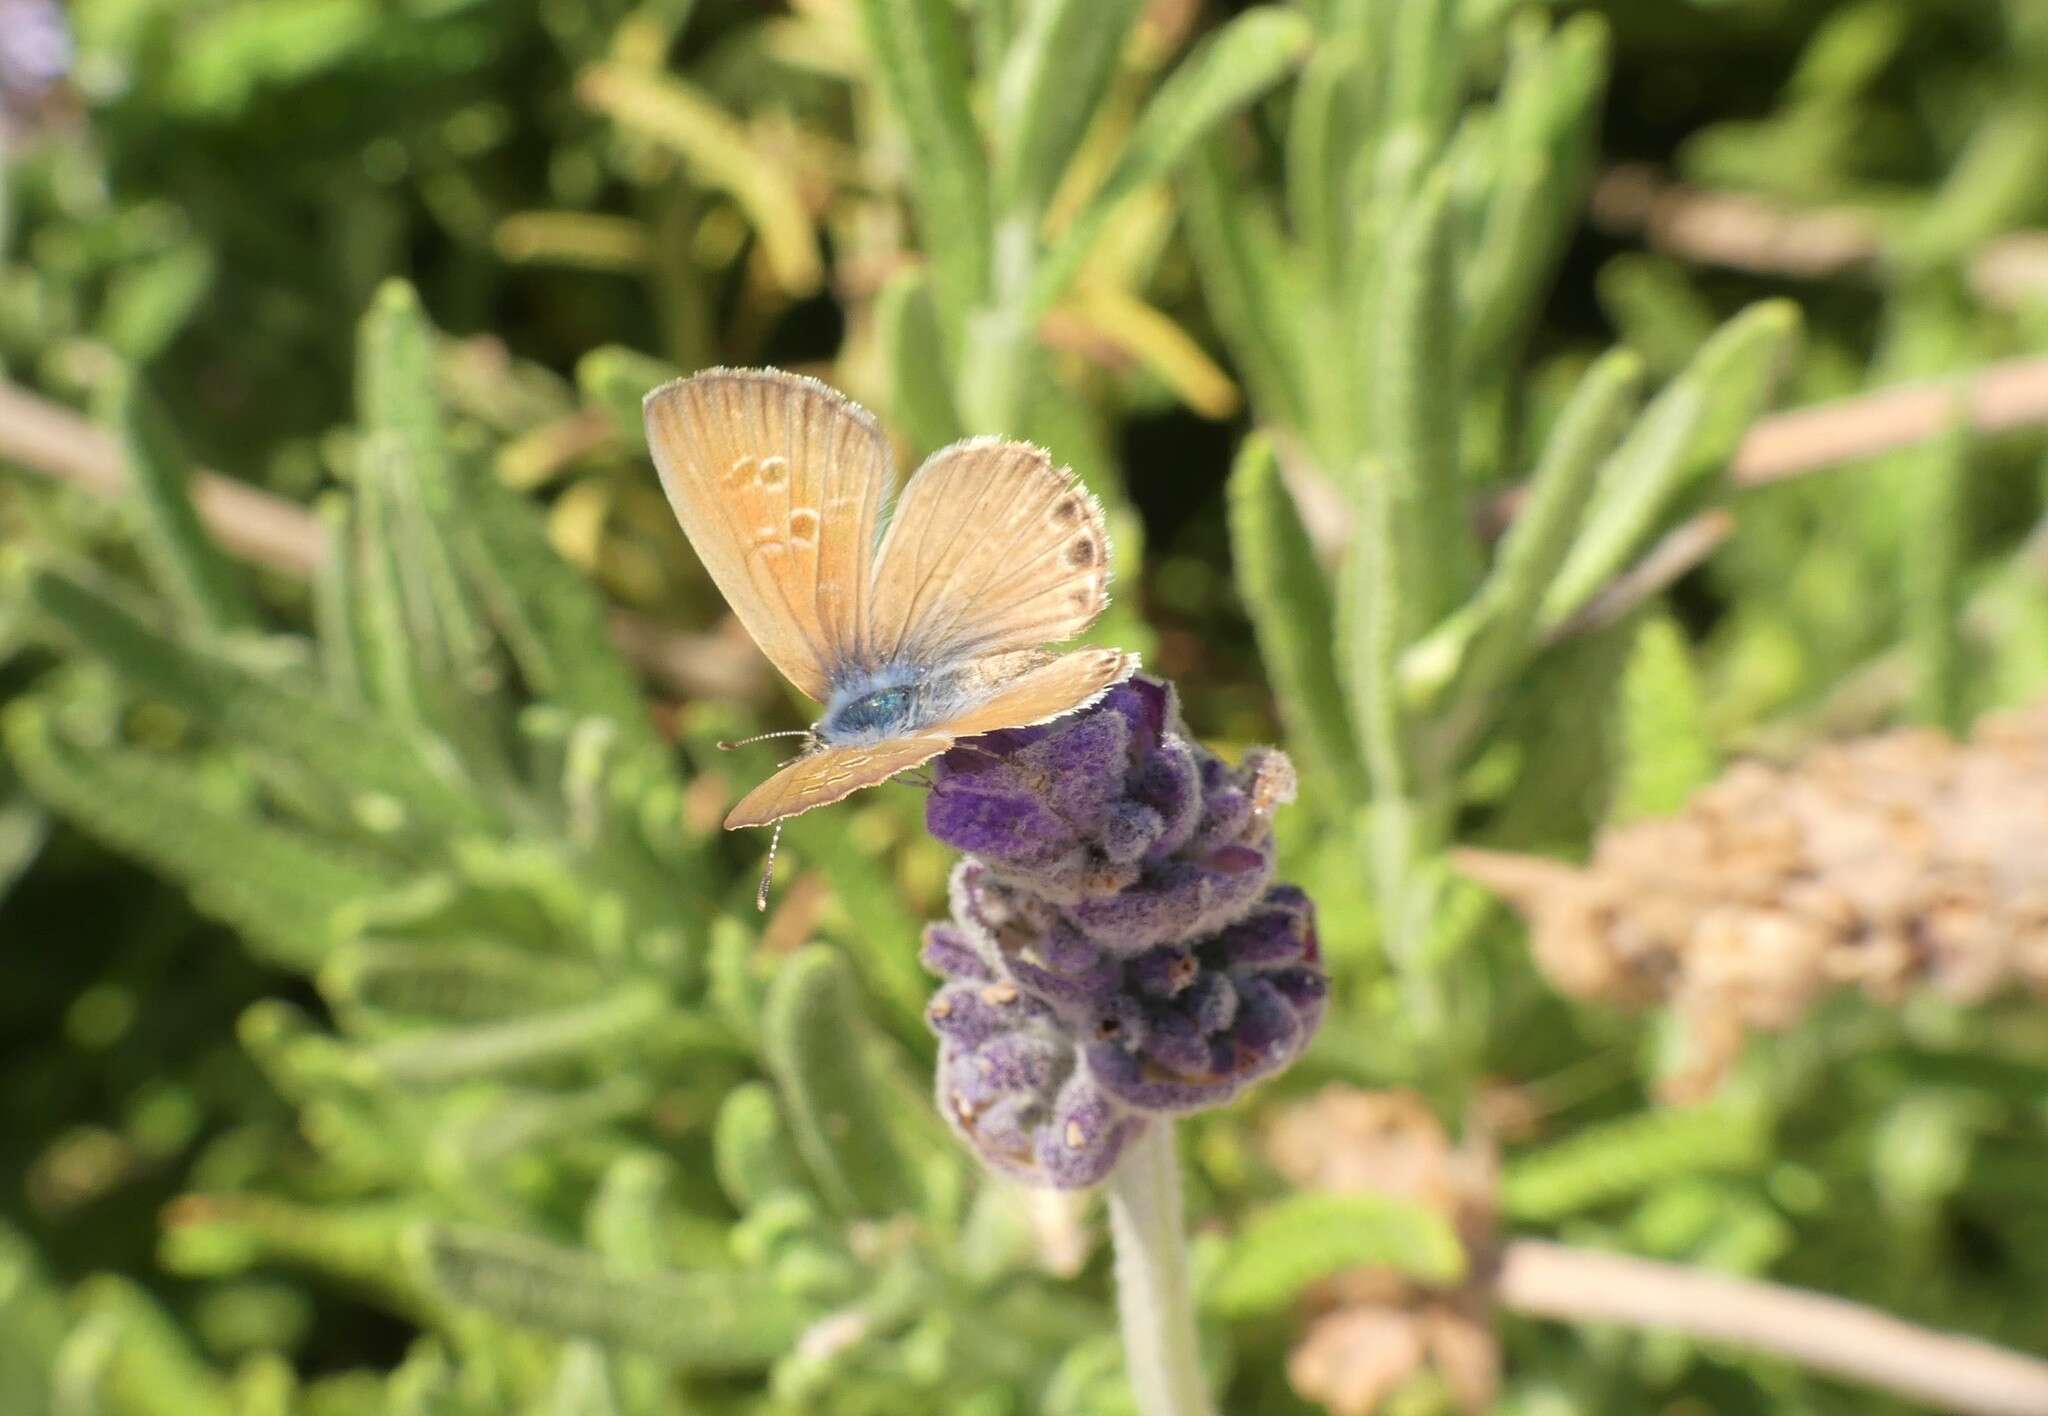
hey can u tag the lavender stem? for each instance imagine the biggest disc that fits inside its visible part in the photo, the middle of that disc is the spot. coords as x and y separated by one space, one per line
1153 1298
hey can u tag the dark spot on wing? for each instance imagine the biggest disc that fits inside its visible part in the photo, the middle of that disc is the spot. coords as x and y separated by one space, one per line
1067 510
1081 553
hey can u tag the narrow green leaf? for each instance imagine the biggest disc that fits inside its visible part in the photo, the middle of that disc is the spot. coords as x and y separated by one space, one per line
1667 748
552 620
1425 66
625 1223
1242 262
1053 78
184 561
917 52
1224 74
914 359
721 154
1291 609
617 380
127 1354
1936 478
281 889
1502 616
1326 128
1416 408
724 1321
750 1148
454 980
1289 1245
408 475
1619 1159
1370 636
585 1033
335 600
218 1235
359 756
1688 431
815 1042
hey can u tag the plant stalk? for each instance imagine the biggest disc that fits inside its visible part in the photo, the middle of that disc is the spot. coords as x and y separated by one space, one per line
1154 1301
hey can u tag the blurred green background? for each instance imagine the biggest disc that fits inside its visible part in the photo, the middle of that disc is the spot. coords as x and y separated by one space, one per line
389 1027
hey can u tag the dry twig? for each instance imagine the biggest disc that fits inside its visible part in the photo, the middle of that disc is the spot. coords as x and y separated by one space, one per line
1830 1335
48 438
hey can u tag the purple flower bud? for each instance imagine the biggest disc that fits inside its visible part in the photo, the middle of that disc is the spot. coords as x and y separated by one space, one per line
1117 946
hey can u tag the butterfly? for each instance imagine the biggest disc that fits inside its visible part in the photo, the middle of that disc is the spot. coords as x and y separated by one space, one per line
914 628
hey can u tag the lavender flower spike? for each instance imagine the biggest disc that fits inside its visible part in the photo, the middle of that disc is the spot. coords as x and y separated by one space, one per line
1117 948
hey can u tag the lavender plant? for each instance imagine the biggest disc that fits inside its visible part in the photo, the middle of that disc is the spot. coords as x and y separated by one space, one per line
436 1007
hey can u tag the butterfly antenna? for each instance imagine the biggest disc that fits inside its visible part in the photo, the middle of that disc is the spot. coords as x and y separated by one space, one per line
768 870
763 737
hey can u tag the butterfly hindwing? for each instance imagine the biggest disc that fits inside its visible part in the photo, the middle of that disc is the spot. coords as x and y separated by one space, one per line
991 549
778 482
831 774
1066 683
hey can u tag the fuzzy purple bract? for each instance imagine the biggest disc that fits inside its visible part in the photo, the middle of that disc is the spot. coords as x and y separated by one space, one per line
1118 948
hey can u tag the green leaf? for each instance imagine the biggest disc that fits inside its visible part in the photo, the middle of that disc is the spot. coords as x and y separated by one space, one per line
1689 430
1053 78
1416 409
1252 294
916 49
914 360
724 1321
816 1044
1287 1246
721 154
1369 636
281 889
132 1357
1500 621
617 380
1222 76
359 756
183 560
1667 748
553 622
412 503
1327 125
750 1148
453 980
586 1033
1618 1159
1289 601
1933 564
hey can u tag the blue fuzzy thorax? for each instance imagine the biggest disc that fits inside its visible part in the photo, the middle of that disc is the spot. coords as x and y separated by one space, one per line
896 700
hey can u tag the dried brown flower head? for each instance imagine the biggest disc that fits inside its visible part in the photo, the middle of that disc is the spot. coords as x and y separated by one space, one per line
1372 1331
1898 862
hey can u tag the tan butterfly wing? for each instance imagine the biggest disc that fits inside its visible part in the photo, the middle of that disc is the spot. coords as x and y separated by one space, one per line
991 549
1068 682
778 482
831 774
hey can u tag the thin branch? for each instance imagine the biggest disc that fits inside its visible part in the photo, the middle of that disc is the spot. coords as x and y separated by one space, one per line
1680 549
1830 1335
50 439
1743 231
1735 230
1997 398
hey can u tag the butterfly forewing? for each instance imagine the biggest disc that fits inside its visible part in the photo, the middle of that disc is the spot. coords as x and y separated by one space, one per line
831 774
778 482
991 549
